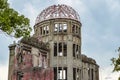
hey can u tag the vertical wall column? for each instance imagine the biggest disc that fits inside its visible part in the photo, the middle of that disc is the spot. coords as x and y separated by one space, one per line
51 42
11 61
69 61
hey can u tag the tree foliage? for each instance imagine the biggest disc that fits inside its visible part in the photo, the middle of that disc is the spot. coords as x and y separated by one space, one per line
116 62
12 23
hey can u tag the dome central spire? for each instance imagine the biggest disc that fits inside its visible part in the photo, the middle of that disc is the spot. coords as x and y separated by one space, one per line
57 11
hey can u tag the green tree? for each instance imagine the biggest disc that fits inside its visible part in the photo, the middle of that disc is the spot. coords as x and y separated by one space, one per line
116 63
12 23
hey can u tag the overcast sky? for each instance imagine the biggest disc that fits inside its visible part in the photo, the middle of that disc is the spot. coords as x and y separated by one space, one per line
100 30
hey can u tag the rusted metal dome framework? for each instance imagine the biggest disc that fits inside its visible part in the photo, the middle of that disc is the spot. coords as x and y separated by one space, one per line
57 11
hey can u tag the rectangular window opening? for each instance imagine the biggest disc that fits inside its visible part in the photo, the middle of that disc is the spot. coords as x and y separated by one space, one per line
60 27
92 75
56 27
20 76
47 29
78 74
20 58
65 27
44 30
65 68
55 49
60 53
89 74
55 73
77 51
62 73
73 29
73 50
65 49
74 73
77 29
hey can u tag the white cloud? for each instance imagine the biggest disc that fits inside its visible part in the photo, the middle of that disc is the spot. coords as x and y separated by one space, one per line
31 12
3 72
114 7
107 74
113 4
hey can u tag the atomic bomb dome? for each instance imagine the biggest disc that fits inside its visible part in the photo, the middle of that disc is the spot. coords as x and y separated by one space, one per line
54 51
57 11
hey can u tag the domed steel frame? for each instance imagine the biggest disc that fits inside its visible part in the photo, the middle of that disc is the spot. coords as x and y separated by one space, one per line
57 11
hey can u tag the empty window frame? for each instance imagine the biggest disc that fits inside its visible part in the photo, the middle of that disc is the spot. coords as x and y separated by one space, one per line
55 73
20 58
64 27
19 76
64 49
73 28
92 74
60 52
76 50
47 29
61 48
74 73
40 30
44 30
89 74
62 73
65 72
78 74
60 27
55 49
77 29
56 27
73 50
44 61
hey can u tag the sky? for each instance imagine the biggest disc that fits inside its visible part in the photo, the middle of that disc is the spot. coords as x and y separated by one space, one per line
100 30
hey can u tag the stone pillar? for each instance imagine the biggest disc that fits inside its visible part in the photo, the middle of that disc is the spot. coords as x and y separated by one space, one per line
11 61
69 61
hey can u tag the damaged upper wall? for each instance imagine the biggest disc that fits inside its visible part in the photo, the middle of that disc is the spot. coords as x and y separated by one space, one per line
90 66
89 60
29 59
32 48
35 42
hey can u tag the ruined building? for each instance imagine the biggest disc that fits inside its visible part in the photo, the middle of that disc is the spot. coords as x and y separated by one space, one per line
54 50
